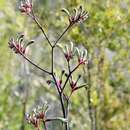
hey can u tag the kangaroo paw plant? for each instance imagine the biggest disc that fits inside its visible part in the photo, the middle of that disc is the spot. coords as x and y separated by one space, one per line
18 45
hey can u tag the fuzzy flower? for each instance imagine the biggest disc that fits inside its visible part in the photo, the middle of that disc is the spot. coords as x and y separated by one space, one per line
69 51
82 56
17 44
37 116
78 16
26 6
31 119
73 83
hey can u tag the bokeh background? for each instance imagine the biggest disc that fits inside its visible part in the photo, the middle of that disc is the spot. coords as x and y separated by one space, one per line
106 36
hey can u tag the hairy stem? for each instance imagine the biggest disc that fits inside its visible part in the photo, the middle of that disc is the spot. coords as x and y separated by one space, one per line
67 114
52 68
56 119
62 104
45 127
23 117
40 26
35 64
61 101
62 34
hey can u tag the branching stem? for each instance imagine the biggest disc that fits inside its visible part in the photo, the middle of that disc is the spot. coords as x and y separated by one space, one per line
69 77
60 91
69 26
40 27
35 64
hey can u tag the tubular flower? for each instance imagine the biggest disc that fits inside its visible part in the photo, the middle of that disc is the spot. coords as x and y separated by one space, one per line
57 82
78 16
69 51
17 44
26 6
31 119
82 56
73 84
37 116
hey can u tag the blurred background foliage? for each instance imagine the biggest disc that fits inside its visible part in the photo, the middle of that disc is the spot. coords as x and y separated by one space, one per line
106 35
